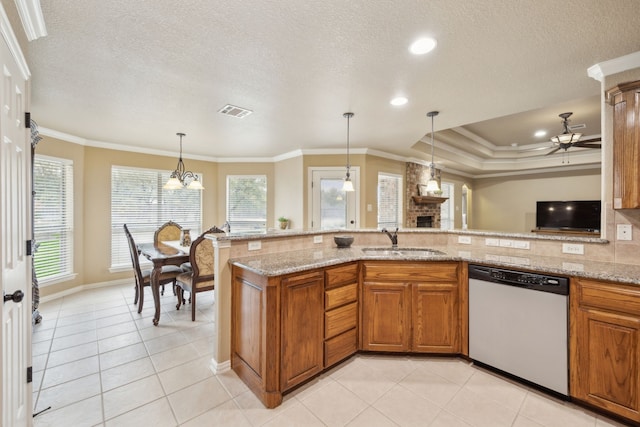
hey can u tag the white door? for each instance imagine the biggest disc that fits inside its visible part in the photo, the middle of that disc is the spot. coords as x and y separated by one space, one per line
332 208
15 217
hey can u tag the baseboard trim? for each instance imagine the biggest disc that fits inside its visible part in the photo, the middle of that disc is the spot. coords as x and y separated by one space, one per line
81 288
219 368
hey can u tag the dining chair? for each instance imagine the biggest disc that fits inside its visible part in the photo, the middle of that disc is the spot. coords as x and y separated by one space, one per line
201 278
167 232
168 273
186 266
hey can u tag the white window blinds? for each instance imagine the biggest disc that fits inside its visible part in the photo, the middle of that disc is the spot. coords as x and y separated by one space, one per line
389 200
53 217
138 200
446 208
247 202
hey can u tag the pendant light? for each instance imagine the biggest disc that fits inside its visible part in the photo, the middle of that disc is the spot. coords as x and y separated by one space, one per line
432 184
348 185
180 177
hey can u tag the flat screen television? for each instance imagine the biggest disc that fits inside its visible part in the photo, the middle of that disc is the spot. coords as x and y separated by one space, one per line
579 215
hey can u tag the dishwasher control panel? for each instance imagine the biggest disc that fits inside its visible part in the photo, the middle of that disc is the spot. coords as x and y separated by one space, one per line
533 281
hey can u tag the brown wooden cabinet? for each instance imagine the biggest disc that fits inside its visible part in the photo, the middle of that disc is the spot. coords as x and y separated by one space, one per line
625 99
413 306
276 330
302 330
605 346
340 313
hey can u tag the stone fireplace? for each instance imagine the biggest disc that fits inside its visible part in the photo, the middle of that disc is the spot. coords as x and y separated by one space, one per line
420 214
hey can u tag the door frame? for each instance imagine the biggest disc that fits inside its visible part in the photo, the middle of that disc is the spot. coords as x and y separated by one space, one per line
355 200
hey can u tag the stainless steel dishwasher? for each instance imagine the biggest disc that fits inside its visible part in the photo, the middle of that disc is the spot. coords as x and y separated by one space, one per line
518 324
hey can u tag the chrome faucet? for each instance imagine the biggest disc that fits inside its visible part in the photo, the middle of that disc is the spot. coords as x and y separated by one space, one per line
393 236
226 226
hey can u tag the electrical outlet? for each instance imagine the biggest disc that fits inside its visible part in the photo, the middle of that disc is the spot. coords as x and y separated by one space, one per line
492 242
573 248
465 240
255 245
521 244
506 243
317 239
624 231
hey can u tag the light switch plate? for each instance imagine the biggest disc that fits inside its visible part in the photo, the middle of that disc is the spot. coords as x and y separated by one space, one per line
624 232
492 242
573 248
317 239
255 245
465 240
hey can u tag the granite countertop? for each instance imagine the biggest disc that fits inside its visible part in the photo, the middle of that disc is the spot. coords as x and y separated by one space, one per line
280 263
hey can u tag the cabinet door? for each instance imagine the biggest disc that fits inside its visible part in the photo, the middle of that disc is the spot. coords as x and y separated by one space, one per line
302 334
625 99
386 316
436 321
605 346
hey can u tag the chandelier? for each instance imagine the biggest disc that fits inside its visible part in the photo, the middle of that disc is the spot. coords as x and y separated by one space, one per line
180 177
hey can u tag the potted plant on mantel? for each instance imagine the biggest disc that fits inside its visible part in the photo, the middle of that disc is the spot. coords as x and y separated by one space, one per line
284 222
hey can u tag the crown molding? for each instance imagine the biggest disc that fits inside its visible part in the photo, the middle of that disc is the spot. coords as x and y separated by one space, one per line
32 20
13 45
614 66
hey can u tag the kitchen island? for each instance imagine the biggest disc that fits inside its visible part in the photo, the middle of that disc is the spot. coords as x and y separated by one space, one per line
284 328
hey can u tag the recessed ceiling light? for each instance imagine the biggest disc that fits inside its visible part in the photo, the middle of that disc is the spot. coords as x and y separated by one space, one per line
400 100
422 46
540 133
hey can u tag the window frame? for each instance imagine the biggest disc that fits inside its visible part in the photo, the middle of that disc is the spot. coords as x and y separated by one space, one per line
142 227
239 225
66 229
399 200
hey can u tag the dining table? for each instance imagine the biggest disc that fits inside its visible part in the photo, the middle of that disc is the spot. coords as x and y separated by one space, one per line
161 254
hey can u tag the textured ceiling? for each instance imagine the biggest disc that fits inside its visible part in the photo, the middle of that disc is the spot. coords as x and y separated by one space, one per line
133 73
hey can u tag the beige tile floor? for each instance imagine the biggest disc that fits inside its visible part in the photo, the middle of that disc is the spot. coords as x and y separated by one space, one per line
97 362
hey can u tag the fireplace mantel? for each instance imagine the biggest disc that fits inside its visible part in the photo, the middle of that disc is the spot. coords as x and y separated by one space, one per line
429 199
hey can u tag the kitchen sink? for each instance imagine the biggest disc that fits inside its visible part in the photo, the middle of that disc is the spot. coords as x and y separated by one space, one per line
416 252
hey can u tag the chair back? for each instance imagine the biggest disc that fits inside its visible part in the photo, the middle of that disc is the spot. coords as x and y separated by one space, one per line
135 256
214 230
202 258
167 231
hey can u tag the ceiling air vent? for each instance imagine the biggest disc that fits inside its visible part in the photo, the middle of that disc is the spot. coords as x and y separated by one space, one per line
232 110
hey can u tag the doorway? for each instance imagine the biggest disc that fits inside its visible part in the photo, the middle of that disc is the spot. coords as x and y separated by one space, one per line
330 207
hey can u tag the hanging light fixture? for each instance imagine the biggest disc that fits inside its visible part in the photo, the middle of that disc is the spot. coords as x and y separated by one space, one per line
567 137
432 184
180 177
348 185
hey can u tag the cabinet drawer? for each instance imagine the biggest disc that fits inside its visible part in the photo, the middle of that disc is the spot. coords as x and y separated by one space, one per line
339 275
339 296
616 297
339 347
340 320
413 272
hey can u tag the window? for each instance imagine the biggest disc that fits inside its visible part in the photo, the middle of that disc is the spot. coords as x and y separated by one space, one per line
389 200
138 200
446 208
53 218
247 202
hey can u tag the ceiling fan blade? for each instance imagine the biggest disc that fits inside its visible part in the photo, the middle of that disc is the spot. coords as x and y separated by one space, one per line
586 141
581 145
552 151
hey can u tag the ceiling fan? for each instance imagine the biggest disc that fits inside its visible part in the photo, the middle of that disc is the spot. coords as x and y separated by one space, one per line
568 138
